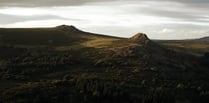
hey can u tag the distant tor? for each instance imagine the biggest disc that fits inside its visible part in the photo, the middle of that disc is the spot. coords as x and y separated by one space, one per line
67 28
140 37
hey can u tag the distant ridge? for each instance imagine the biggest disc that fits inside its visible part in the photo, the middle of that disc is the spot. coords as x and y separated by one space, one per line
204 39
73 29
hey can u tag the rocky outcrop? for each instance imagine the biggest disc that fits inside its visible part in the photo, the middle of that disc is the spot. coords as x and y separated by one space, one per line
140 37
67 28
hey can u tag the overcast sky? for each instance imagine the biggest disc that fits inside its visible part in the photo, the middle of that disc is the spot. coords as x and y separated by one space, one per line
159 19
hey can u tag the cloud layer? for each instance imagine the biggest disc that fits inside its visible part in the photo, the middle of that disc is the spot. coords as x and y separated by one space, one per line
45 3
161 19
48 3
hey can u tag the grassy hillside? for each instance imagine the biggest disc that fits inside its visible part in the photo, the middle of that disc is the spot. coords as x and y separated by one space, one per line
190 46
58 36
66 65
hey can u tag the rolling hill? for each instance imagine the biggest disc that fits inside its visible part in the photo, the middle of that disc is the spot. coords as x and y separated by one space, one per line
64 64
60 35
204 39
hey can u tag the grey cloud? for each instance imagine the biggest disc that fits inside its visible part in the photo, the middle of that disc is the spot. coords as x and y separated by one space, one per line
46 3
192 1
7 19
179 15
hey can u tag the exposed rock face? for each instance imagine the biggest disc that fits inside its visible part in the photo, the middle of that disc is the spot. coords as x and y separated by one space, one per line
140 37
68 28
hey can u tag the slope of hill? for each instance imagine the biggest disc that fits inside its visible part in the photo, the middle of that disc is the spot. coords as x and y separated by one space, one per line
64 64
194 47
60 35
204 39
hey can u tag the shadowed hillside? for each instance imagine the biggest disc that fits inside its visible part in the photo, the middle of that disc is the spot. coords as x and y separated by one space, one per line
60 35
204 39
66 65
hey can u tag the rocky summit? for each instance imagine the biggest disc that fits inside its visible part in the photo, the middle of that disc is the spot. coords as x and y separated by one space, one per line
140 37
